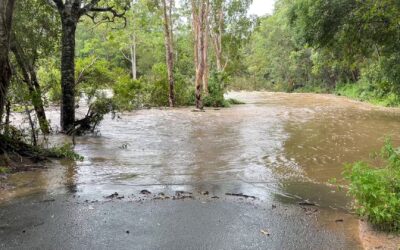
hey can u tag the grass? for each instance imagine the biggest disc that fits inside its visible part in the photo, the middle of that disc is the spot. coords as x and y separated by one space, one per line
365 93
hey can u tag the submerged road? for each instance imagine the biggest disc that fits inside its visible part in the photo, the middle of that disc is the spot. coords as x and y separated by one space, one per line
278 150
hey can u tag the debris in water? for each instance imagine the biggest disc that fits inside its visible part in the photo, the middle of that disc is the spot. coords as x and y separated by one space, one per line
265 232
273 206
161 196
215 197
339 220
127 231
205 193
112 196
48 200
145 192
198 110
307 203
241 195
109 197
182 193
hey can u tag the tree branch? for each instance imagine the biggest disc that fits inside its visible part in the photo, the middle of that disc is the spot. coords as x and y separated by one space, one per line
126 57
88 7
81 74
105 19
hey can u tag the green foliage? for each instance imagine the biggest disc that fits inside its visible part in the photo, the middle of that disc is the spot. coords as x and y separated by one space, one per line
127 93
65 151
4 170
50 77
233 101
377 189
216 90
315 45
368 93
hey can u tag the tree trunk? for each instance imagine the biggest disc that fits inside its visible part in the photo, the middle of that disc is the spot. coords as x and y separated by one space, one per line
200 15
133 57
205 53
68 73
6 13
216 34
195 24
169 50
31 80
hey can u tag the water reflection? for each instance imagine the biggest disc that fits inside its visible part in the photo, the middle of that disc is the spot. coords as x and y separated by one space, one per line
71 176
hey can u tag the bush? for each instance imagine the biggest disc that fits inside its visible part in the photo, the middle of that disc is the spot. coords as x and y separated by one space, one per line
64 151
216 90
364 91
127 93
377 189
154 90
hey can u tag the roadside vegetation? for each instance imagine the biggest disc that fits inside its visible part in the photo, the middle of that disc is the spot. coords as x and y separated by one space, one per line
376 189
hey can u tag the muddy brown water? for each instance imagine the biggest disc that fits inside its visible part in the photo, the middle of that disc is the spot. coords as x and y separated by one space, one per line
281 148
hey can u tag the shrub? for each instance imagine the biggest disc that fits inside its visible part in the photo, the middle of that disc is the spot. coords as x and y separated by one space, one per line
64 151
377 189
216 90
127 93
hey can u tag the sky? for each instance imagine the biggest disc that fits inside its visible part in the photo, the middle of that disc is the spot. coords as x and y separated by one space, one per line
262 7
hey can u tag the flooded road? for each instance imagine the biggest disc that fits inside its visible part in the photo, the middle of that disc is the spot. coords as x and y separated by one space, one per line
280 148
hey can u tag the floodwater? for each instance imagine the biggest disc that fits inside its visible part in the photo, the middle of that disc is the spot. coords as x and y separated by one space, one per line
280 148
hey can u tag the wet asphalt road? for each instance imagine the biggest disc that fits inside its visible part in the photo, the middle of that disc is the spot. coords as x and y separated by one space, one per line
68 223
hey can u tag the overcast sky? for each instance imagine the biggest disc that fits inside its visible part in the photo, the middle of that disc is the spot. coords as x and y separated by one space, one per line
262 7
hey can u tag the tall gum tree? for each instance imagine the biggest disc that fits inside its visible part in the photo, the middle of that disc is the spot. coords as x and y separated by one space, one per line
169 48
6 13
70 12
200 10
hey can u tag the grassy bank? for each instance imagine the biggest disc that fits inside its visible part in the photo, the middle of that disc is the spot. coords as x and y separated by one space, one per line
367 93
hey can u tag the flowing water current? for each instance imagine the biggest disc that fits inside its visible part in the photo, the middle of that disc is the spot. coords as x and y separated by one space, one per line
280 148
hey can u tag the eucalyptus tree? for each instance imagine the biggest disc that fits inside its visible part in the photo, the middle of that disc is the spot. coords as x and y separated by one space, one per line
230 29
71 11
200 10
168 6
6 12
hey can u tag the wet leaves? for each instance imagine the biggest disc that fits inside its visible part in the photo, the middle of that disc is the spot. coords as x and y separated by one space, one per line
241 195
181 195
145 192
307 203
114 196
265 232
